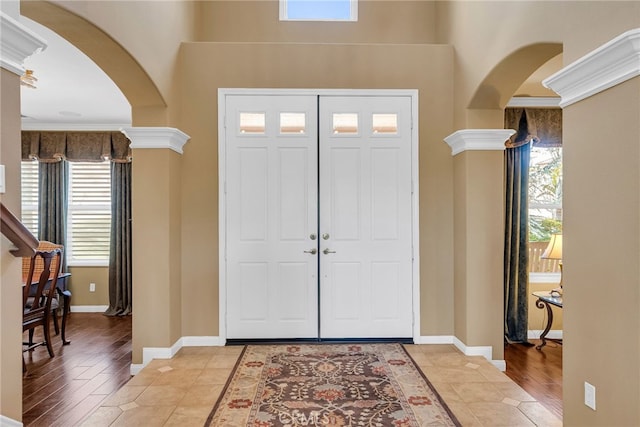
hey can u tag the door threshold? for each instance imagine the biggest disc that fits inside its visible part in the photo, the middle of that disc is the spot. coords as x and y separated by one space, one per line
274 341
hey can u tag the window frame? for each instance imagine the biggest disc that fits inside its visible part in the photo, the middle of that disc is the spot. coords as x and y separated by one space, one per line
73 207
284 13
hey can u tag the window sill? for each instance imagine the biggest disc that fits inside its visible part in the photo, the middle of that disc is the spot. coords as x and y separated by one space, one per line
90 263
544 277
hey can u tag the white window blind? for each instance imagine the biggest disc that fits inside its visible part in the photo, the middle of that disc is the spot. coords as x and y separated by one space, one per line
30 196
89 213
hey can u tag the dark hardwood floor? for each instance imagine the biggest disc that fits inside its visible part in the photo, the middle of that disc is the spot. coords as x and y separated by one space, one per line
538 372
63 390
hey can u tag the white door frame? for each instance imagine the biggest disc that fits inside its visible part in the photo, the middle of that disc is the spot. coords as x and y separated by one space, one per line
222 226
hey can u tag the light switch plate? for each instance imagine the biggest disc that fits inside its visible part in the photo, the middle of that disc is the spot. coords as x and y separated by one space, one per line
590 395
2 189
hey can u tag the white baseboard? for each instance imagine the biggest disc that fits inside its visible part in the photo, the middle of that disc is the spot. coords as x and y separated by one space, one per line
9 422
150 353
554 334
89 308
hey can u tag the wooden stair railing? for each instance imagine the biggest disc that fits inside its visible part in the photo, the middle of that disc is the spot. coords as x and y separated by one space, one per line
24 242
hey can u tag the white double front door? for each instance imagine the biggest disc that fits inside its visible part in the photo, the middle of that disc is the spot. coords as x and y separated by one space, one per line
318 216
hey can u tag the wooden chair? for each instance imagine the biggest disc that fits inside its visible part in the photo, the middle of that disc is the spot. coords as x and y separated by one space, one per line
61 286
38 293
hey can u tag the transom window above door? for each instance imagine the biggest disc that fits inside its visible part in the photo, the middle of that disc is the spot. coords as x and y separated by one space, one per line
319 10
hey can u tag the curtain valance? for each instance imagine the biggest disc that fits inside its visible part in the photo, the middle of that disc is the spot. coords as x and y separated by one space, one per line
53 146
540 126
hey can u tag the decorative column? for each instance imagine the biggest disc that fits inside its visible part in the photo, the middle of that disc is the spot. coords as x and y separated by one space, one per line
156 229
17 43
600 97
478 168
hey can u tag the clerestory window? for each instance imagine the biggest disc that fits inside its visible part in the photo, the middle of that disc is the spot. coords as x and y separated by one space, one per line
319 10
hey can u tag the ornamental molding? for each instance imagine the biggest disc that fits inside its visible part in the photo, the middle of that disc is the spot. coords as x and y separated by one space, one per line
612 63
156 137
17 43
478 139
534 102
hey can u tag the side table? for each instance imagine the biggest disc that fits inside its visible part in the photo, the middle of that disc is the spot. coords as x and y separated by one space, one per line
546 300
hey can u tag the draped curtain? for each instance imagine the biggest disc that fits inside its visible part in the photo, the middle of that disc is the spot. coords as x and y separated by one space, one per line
53 150
120 289
537 127
53 179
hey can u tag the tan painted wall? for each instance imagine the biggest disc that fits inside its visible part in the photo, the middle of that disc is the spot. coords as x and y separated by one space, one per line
79 285
601 249
501 28
479 248
219 65
10 266
157 266
395 21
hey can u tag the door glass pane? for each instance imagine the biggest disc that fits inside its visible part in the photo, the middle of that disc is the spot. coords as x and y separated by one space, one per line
345 123
385 123
252 123
292 123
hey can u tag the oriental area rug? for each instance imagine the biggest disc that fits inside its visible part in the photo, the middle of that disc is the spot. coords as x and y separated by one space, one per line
330 385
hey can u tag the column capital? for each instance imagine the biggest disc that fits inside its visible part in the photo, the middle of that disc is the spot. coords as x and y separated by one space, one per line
478 139
17 43
612 63
156 137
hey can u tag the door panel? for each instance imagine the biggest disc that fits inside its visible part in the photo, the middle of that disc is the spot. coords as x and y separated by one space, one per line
346 177
365 210
271 212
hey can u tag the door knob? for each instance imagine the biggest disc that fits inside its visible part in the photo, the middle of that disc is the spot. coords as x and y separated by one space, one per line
312 236
313 251
325 236
327 251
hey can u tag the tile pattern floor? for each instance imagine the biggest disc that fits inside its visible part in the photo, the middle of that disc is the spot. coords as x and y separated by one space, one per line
181 391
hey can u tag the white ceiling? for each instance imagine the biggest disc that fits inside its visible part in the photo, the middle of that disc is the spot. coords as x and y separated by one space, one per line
72 93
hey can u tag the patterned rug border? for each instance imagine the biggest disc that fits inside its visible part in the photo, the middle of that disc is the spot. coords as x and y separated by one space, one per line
245 348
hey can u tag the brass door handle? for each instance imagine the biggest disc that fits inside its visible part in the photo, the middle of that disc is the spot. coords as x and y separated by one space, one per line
313 251
327 251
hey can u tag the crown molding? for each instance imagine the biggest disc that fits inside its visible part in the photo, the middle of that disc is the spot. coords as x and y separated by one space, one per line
612 63
156 137
478 139
534 102
17 42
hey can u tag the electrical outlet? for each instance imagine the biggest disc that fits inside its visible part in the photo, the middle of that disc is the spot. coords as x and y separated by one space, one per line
92 287
590 395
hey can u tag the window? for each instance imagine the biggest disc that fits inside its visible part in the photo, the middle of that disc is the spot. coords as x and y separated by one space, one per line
89 213
89 210
545 205
319 10
30 196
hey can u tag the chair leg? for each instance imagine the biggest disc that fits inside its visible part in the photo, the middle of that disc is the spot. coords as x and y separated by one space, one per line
31 337
55 321
66 299
47 337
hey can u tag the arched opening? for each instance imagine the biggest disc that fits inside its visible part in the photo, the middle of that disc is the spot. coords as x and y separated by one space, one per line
505 78
110 56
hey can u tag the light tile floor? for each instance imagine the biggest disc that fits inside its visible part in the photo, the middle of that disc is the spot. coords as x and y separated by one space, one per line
181 391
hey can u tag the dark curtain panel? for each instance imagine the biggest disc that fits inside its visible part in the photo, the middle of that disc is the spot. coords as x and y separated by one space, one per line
120 281
52 210
516 251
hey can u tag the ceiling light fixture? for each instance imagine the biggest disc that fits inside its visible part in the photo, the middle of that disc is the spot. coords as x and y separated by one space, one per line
28 79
